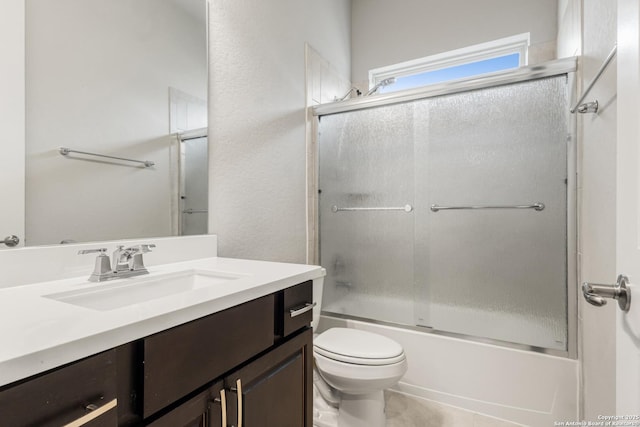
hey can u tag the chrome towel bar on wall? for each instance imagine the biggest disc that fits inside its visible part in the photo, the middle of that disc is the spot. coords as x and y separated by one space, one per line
66 151
592 107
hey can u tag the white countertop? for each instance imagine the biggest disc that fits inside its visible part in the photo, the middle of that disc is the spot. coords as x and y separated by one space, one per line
39 333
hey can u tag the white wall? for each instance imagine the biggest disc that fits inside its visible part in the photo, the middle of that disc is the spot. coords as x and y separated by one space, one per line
589 29
257 119
98 78
598 225
12 119
387 32
569 41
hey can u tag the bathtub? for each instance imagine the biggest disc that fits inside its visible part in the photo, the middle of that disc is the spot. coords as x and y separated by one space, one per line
520 386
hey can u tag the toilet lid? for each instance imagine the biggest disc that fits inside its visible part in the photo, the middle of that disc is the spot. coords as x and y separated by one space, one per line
359 347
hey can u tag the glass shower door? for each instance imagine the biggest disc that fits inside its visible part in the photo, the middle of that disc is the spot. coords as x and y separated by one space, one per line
499 273
194 186
366 160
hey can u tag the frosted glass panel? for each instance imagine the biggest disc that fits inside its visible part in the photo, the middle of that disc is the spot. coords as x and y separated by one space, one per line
366 160
195 182
498 273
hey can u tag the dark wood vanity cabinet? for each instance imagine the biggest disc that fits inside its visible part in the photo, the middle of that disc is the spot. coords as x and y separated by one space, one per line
182 359
199 411
272 390
80 394
251 362
262 355
275 390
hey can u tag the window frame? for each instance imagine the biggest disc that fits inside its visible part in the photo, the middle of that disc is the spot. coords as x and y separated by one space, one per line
518 43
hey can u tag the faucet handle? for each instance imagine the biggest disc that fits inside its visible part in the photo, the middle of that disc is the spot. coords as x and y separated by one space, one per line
142 248
102 269
146 247
136 263
92 251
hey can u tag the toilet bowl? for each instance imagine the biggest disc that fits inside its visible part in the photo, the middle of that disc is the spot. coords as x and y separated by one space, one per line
359 365
356 366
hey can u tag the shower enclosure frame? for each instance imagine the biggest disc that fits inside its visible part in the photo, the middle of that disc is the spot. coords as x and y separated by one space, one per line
565 66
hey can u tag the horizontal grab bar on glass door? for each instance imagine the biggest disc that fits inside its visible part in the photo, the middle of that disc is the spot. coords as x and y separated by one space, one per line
405 208
537 206
194 211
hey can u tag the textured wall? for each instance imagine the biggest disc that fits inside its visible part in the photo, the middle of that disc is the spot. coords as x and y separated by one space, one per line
387 32
257 119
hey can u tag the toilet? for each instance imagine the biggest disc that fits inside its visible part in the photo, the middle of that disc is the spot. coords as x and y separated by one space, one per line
352 368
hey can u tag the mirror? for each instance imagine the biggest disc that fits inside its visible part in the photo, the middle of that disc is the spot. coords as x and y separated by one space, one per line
115 78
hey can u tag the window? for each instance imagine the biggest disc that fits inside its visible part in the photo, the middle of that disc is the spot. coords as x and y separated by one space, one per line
497 55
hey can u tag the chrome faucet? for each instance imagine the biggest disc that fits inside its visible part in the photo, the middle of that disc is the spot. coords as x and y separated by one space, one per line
102 269
125 262
120 259
136 262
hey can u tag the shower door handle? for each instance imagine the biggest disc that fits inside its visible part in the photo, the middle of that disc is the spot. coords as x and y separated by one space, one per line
596 294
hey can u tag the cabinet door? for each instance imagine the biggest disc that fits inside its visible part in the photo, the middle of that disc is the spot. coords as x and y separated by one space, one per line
275 390
82 393
203 410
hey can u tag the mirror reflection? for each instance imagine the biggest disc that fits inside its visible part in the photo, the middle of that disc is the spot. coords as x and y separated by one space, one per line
119 78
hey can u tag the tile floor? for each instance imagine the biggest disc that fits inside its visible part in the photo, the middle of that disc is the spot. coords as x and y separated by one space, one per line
407 411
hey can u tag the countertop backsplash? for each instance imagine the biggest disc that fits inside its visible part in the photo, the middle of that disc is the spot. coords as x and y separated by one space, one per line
33 264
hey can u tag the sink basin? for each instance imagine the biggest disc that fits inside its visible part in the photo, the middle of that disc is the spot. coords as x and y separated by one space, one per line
126 292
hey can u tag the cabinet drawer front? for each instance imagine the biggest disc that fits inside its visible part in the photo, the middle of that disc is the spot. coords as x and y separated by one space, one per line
180 360
297 299
61 396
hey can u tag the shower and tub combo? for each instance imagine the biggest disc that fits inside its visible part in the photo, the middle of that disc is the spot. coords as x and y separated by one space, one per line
447 223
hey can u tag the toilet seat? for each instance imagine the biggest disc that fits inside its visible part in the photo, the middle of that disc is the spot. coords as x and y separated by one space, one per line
358 347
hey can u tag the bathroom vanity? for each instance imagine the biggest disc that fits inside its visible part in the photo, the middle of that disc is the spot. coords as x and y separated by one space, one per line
239 354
